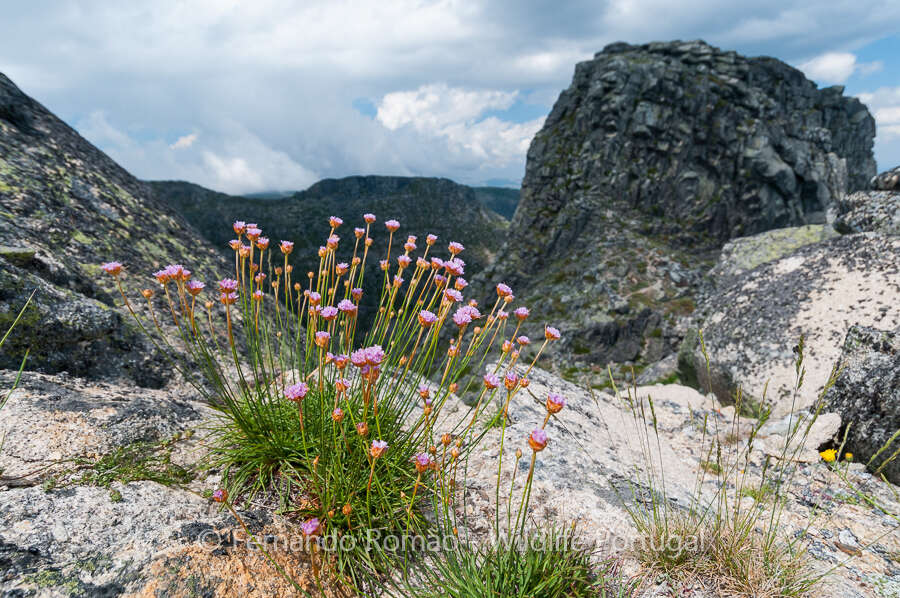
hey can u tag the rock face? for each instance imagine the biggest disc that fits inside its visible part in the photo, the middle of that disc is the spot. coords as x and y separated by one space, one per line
887 181
655 154
421 205
818 291
65 207
869 211
867 395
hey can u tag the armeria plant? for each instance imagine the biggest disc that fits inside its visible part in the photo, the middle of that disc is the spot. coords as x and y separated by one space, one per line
340 421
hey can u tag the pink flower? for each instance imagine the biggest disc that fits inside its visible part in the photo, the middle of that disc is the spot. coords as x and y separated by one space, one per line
404 261
423 462
238 226
220 495
453 295
311 528
287 247
421 263
503 290
537 440
335 222
112 268
322 338
491 381
377 449
392 225
314 298
253 233
257 295
332 242
347 307
228 284
356 293
262 243
259 278
455 267
398 281
439 280
383 264
228 298
461 283
341 268
359 233
521 313
424 392
436 263
462 318
502 315
341 384
340 361
296 392
409 246
194 287
369 218
426 318
510 381
430 239
455 247
329 313
471 310
371 356
337 415
523 340
235 244
555 402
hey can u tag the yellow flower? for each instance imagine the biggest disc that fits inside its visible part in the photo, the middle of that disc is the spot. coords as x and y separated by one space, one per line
848 456
828 456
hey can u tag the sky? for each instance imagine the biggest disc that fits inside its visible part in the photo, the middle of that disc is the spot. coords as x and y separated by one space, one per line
265 95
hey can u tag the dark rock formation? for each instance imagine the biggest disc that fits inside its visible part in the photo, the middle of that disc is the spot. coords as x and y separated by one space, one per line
867 396
652 158
66 207
818 291
888 180
421 205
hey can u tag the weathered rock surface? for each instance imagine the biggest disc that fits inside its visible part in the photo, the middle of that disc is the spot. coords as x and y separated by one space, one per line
867 395
745 253
869 211
65 207
655 154
888 180
819 291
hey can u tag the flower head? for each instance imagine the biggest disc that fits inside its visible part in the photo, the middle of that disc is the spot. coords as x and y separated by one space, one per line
491 381
228 298
551 333
503 290
296 392
220 495
555 402
369 218
430 239
362 428
829 456
461 317
329 312
257 295
392 225
359 233
455 248
410 245
314 298
311 527
423 462
426 318
337 415
194 287
332 242
538 440
238 226
287 247
404 260
228 284
322 337
455 267
510 380
335 222
112 268
383 264
523 340
460 284
235 244
340 361
347 306
356 294
341 268
263 243
452 295
521 313
424 391
377 449
253 233
437 263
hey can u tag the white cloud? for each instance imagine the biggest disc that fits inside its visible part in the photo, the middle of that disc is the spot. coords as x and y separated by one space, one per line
832 67
456 116
884 103
184 142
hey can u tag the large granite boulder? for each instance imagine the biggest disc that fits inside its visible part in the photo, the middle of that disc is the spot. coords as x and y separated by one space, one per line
65 208
654 157
869 211
867 396
818 291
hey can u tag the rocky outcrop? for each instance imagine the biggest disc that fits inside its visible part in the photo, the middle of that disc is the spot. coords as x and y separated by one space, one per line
421 205
888 180
653 158
819 291
867 396
65 207
745 253
869 211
